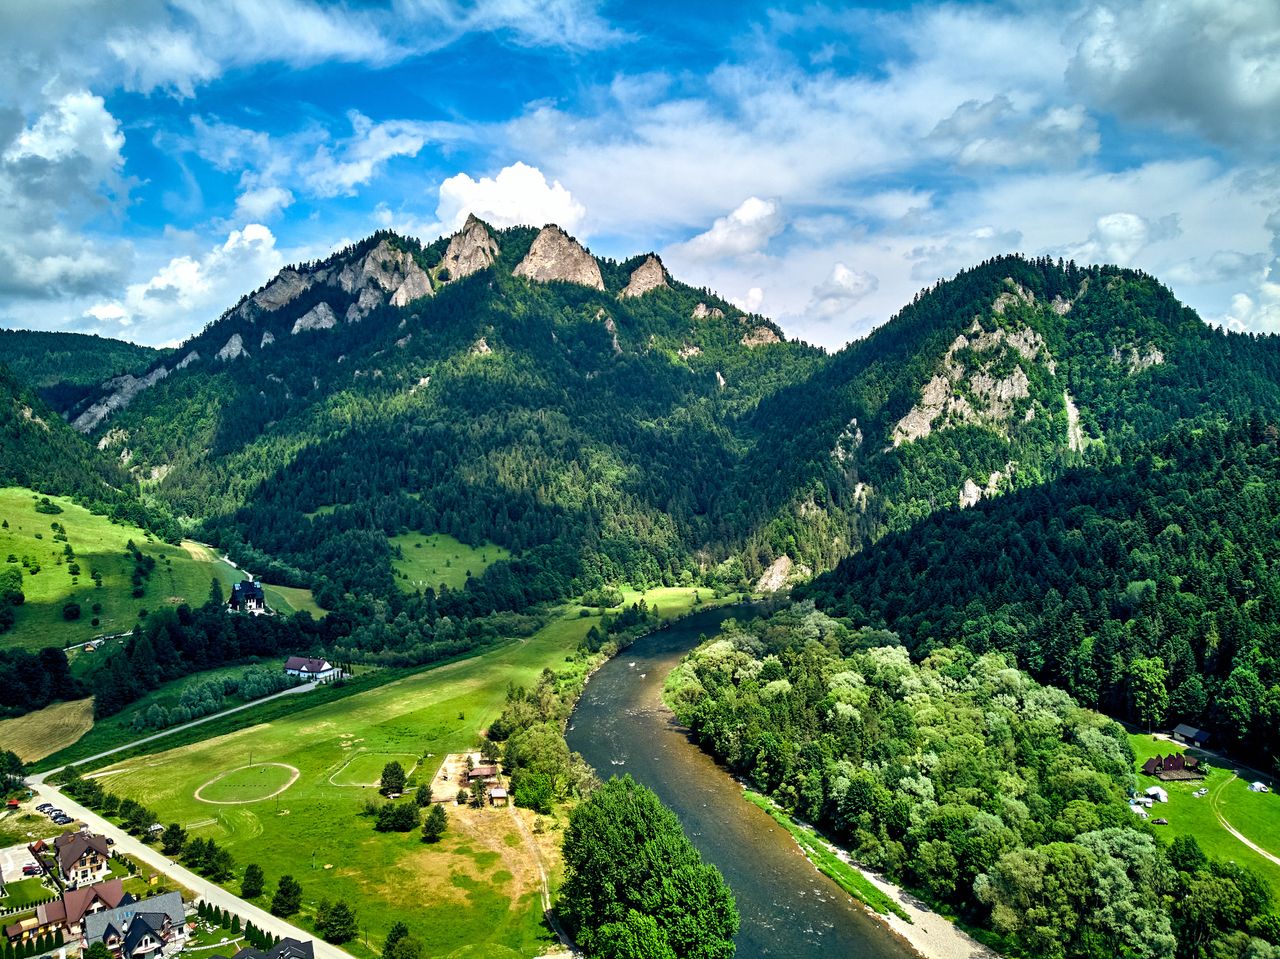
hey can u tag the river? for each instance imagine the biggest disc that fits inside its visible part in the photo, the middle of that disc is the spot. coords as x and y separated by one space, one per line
788 909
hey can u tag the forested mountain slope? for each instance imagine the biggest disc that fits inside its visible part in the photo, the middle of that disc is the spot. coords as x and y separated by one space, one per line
1148 588
64 368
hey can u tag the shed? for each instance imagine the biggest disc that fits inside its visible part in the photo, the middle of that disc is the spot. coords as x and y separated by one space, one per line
1190 735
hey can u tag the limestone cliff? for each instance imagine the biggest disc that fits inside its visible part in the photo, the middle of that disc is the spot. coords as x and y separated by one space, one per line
319 317
557 256
649 275
471 249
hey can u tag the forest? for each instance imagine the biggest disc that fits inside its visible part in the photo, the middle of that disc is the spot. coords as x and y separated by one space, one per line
999 800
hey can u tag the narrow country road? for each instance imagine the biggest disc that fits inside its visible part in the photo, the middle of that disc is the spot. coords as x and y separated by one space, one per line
39 778
202 887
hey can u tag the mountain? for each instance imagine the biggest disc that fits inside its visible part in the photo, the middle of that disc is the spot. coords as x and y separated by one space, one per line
64 368
501 386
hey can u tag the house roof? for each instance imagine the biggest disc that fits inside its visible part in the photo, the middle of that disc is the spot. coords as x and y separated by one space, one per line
1190 732
154 910
286 948
306 665
1151 765
482 772
72 846
246 590
74 903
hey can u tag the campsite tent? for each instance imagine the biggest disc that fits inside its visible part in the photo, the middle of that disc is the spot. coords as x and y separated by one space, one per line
1155 792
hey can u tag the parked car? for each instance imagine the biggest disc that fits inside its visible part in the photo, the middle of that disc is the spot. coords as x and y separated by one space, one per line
64 820
30 869
44 807
1160 822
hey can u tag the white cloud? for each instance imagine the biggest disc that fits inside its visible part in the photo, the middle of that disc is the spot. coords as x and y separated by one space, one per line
188 291
353 162
1212 67
262 203
745 231
1119 237
519 194
751 301
843 288
998 134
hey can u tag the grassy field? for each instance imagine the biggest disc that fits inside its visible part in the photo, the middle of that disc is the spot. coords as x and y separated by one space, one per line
435 559
23 826
1256 815
282 599
24 893
460 897
47 730
98 544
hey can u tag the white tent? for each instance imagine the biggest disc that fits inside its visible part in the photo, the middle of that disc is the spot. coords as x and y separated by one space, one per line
1155 792
1258 787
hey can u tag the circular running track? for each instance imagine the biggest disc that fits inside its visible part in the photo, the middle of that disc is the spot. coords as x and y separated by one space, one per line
293 777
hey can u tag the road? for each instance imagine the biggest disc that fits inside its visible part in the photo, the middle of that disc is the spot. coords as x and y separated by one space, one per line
203 888
39 778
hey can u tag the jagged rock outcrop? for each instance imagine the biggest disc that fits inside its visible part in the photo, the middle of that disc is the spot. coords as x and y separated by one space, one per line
319 317
1076 440
613 335
233 350
649 275
719 380
956 395
555 255
415 286
848 442
703 312
388 267
267 339
1017 294
481 347
760 336
187 360
687 350
471 249
369 297
1138 360
120 393
288 285
781 573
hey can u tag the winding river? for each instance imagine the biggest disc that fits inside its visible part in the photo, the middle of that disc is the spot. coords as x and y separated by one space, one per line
788 909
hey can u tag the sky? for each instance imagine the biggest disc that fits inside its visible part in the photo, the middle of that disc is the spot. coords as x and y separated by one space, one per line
819 163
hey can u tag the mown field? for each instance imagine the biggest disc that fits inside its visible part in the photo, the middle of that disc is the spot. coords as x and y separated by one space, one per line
282 599
462 897
1255 815
438 558
45 731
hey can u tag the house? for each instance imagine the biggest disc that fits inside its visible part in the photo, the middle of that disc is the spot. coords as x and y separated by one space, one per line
82 857
1158 794
497 796
139 930
1172 767
1190 735
312 670
69 912
482 773
247 596
1152 765
286 948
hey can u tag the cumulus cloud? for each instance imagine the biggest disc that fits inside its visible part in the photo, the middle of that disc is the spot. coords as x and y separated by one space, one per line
840 290
56 173
519 194
338 169
745 231
1212 67
995 133
751 301
962 248
1119 237
189 291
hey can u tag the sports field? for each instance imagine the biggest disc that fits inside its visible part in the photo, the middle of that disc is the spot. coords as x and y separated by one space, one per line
1254 815
461 897
438 558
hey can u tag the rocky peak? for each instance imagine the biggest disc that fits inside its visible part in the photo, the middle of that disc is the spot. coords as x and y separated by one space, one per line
557 256
470 250
649 275
703 312
395 271
284 289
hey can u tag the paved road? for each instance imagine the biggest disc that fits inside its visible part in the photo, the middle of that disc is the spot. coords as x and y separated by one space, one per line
202 887
39 778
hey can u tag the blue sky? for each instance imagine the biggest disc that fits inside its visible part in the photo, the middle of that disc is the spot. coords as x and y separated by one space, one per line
817 162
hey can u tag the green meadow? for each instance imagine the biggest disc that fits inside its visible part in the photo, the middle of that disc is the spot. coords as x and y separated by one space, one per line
51 579
462 897
1255 815
429 560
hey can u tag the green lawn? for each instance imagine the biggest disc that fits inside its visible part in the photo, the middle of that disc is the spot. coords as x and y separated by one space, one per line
24 893
98 544
1250 813
283 599
456 896
438 558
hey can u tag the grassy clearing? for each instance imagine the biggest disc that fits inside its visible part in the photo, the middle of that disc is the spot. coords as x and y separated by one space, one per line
47 730
365 768
1250 813
283 599
24 893
98 545
438 558
22 827
248 784
464 896
818 851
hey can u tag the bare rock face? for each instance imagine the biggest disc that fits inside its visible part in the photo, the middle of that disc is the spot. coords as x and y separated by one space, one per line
415 286
1076 440
471 250
781 573
187 360
719 380
687 350
760 336
649 275
971 493
703 312
368 299
121 391
267 339
1138 360
285 288
233 350
481 347
390 269
557 256
848 442
319 317
613 335
1017 294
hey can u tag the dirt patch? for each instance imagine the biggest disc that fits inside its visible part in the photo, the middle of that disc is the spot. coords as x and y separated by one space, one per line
452 776
45 731
293 778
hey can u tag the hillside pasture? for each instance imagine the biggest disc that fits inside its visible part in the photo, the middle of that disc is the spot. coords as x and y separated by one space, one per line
437 558
33 545
286 600
464 896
